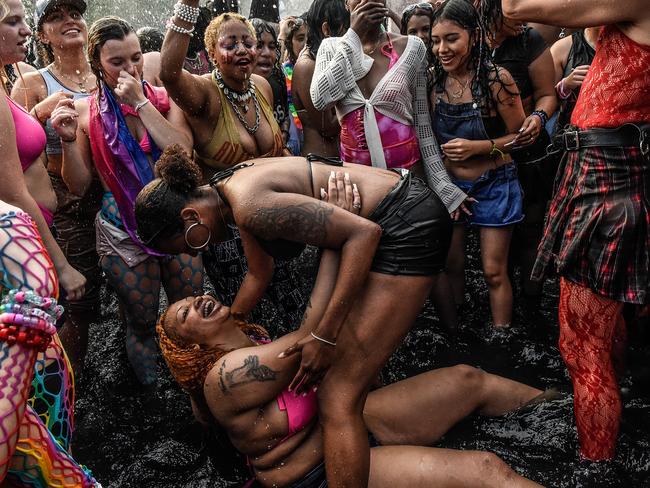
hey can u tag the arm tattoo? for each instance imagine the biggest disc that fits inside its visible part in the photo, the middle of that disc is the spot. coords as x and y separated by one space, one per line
222 384
304 223
250 372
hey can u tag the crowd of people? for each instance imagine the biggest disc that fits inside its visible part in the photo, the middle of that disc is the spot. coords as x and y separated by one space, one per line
215 152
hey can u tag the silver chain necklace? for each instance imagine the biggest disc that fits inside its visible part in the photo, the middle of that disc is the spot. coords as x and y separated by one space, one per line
239 101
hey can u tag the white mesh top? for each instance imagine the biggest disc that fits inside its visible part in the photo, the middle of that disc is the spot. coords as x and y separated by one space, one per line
401 95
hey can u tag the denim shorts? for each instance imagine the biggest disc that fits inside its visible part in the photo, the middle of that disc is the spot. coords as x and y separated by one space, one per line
498 197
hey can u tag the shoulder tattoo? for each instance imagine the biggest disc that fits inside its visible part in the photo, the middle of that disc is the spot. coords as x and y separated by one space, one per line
305 222
249 372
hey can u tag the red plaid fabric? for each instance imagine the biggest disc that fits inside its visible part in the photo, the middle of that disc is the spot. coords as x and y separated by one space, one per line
598 228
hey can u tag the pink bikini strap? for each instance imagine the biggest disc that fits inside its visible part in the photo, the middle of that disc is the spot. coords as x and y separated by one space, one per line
389 51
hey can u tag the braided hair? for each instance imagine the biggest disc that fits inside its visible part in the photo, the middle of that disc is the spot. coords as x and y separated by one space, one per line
190 364
464 14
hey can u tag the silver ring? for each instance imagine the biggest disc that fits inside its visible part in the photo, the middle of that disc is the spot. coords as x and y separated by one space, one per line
356 205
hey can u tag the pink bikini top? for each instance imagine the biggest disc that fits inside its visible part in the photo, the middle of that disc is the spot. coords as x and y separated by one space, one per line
145 144
32 139
400 143
301 410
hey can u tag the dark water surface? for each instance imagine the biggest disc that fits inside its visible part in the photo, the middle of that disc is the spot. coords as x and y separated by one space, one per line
132 436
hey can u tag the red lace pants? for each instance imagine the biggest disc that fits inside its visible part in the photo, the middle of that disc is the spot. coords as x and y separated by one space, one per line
592 343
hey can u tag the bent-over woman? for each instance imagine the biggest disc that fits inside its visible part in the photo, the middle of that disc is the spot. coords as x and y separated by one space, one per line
398 242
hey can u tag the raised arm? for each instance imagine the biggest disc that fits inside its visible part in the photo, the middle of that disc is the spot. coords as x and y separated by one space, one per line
576 13
189 91
434 169
339 64
166 130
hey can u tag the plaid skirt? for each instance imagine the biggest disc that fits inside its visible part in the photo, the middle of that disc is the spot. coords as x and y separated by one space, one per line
598 227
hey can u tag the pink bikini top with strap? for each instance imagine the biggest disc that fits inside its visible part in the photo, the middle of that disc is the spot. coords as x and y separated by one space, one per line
31 139
301 410
400 143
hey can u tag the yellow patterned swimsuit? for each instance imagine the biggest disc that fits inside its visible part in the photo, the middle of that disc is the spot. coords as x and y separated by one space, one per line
225 149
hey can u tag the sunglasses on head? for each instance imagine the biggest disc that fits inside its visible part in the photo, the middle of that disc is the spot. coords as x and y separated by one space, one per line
421 5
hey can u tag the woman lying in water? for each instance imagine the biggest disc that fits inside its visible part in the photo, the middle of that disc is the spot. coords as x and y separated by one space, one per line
274 201
398 242
237 379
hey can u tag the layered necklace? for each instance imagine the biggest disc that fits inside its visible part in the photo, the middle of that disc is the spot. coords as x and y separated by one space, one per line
80 84
239 101
458 94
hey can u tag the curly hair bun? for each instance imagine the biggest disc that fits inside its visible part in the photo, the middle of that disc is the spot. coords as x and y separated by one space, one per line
177 169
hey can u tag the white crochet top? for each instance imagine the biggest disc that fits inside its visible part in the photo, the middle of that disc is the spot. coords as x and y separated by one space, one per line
401 95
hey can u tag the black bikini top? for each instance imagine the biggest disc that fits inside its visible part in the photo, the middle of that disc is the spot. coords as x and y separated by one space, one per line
277 248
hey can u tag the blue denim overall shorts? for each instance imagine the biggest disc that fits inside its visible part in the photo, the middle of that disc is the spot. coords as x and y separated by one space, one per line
497 191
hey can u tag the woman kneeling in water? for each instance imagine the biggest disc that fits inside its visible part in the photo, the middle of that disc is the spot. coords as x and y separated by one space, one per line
236 378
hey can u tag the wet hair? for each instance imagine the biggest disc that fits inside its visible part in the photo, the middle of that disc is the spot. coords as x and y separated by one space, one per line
190 364
197 39
262 26
159 204
331 11
44 51
151 39
288 42
4 10
104 30
463 14
491 14
214 29
414 11
6 71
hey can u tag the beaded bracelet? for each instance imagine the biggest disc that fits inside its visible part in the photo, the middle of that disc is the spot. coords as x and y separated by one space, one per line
30 303
177 28
187 13
37 339
31 297
543 116
28 322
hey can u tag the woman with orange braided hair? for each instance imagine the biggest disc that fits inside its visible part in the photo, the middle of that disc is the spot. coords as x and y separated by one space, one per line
236 378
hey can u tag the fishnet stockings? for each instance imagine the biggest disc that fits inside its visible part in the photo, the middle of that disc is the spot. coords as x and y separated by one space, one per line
138 290
592 342
27 449
40 460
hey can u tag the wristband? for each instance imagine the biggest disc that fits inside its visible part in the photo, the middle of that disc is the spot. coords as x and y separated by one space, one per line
140 105
186 13
68 141
177 28
34 113
543 116
325 341
495 151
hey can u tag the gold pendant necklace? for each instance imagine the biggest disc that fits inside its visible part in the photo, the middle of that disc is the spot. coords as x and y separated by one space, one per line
81 84
459 94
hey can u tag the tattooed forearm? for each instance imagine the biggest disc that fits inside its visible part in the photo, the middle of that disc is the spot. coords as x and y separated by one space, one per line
250 372
304 223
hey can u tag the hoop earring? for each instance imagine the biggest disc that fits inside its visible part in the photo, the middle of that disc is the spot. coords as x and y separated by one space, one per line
197 248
